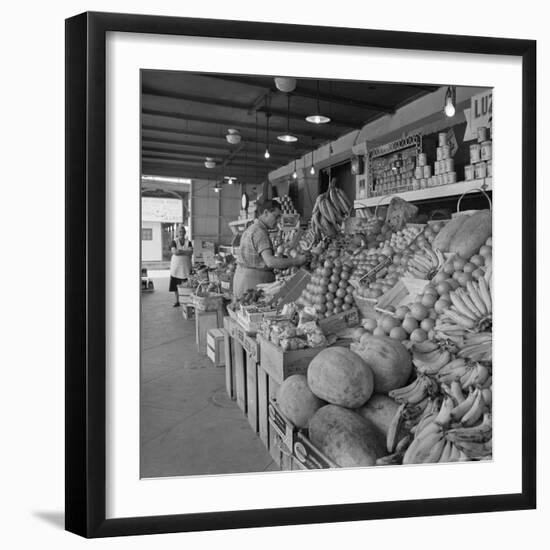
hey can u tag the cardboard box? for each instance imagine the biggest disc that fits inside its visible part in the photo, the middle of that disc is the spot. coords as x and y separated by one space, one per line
293 288
281 424
280 364
187 311
340 321
307 456
405 291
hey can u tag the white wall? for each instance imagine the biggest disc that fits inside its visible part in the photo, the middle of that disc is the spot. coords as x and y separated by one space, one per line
151 251
32 350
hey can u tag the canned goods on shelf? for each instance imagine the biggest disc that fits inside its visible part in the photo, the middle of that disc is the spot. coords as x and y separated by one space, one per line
427 171
469 172
416 184
489 168
440 179
422 160
419 172
439 153
442 137
486 150
451 177
475 153
423 183
481 170
445 152
482 134
449 165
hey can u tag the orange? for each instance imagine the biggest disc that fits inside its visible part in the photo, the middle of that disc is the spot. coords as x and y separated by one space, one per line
418 335
409 324
398 333
419 311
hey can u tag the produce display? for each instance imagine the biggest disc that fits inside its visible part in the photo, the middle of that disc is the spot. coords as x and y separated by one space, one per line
413 382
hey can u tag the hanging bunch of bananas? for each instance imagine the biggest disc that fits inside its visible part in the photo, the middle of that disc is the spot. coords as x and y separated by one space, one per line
425 263
471 311
329 211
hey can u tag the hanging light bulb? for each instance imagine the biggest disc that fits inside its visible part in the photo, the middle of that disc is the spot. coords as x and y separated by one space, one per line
450 101
312 170
288 137
318 118
267 115
294 174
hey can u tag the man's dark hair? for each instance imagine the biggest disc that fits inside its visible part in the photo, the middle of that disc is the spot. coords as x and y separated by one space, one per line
267 204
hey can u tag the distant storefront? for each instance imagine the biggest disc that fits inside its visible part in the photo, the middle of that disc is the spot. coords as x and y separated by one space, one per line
159 221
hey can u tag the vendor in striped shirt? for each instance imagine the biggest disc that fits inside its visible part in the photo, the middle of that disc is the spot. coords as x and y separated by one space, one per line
256 260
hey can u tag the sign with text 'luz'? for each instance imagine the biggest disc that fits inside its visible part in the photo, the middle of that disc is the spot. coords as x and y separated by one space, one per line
479 114
161 210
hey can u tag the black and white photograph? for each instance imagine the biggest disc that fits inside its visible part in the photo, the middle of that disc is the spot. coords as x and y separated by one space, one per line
316 273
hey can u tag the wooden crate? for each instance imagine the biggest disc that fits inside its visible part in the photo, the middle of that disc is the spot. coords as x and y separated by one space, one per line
274 439
307 456
215 346
205 321
280 364
228 353
262 382
281 424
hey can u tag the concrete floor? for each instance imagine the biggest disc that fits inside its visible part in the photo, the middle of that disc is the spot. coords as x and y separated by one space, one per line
189 426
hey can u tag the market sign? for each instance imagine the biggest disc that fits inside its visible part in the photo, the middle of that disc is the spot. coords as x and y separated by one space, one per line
479 114
161 210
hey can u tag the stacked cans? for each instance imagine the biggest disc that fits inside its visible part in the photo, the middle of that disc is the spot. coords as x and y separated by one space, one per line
443 171
481 154
392 174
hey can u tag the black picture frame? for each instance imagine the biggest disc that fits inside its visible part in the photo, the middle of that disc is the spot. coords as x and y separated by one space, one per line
85 273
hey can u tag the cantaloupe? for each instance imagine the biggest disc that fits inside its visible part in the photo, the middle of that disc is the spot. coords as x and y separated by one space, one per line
380 410
472 234
443 239
389 360
345 437
339 376
296 401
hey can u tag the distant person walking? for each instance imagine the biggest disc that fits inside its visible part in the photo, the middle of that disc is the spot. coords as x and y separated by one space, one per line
181 262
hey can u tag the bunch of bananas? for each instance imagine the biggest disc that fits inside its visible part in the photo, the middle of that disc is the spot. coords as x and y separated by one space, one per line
329 211
459 430
429 358
467 374
478 346
471 311
418 390
425 263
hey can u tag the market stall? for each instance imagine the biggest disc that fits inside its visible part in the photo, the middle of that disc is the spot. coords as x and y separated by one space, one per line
378 350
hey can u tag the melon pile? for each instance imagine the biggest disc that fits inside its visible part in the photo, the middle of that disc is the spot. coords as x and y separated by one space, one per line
341 403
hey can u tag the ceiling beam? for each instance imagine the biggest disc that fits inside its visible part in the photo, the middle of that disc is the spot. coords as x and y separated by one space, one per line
248 109
281 152
301 91
168 168
200 162
274 143
328 135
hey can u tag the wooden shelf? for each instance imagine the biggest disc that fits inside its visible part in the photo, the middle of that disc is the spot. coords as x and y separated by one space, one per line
449 190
